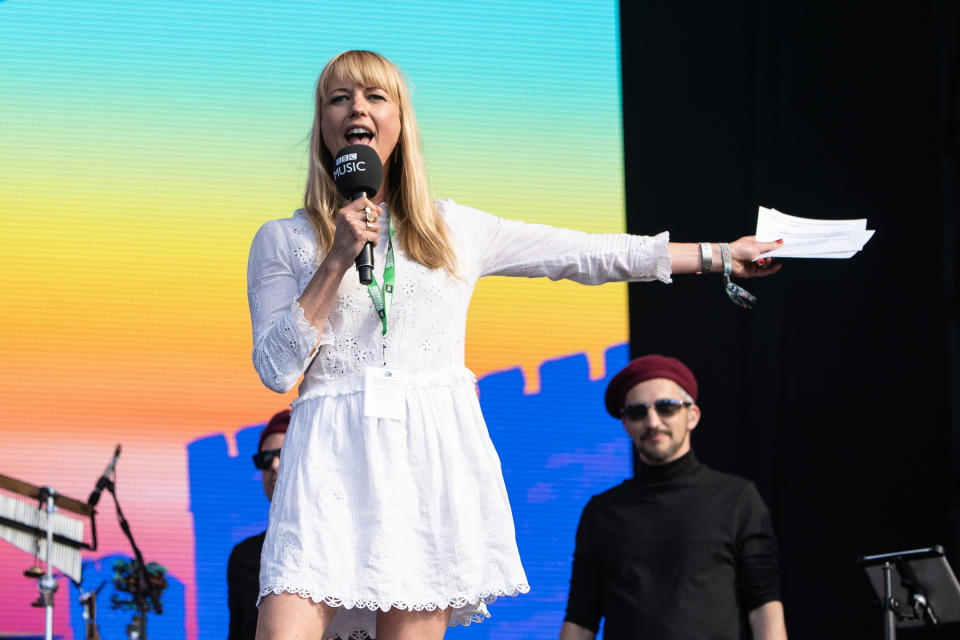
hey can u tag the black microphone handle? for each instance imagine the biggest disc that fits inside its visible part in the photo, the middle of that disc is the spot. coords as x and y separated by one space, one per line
104 479
94 498
364 264
364 261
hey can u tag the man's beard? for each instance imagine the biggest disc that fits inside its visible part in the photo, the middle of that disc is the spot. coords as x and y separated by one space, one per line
659 455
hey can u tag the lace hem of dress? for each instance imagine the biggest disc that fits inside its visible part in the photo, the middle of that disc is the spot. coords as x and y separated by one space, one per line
475 613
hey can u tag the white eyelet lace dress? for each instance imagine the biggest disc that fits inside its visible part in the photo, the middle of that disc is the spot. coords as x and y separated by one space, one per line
371 514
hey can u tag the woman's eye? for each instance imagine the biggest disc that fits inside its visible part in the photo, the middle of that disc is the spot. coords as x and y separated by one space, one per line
377 96
336 99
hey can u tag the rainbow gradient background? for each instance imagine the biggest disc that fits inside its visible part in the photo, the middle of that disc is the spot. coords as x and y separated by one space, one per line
141 146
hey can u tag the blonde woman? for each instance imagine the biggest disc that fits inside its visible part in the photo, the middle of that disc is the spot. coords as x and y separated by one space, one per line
390 517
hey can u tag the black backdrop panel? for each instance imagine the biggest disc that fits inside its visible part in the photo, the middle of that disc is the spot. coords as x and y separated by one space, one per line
833 393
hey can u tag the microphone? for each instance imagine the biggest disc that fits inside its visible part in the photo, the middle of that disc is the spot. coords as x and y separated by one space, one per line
104 480
357 172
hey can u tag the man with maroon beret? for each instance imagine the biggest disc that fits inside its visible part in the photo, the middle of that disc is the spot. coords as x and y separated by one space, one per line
243 568
680 551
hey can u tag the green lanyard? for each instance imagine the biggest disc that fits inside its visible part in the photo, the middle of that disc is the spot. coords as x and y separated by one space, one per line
382 298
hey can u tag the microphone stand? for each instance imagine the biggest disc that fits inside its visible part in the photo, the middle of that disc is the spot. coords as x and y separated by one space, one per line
138 629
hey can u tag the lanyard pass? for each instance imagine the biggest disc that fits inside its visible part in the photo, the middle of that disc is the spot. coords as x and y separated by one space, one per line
383 298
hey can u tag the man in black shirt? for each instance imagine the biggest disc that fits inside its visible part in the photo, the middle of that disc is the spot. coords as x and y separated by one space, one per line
680 550
243 568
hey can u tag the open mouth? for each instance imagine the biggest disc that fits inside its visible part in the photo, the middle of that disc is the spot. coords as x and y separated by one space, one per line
359 135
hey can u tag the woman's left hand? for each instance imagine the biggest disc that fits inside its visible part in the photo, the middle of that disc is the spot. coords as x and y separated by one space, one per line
744 252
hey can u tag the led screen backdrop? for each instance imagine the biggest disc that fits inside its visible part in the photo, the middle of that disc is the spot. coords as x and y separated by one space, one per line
141 146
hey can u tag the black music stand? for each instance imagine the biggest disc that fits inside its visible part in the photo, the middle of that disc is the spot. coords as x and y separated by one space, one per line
926 592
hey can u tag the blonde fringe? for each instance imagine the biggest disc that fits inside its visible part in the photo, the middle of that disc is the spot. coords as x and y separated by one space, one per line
420 229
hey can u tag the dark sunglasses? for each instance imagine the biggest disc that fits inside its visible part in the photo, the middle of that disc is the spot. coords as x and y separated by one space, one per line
264 459
664 408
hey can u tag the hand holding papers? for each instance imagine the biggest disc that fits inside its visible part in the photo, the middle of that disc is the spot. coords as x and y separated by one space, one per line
811 238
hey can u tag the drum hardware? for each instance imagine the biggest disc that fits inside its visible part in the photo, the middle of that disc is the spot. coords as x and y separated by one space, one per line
38 528
144 582
33 572
31 521
89 602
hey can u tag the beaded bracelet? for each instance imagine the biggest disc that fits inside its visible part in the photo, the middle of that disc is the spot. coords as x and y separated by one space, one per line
737 294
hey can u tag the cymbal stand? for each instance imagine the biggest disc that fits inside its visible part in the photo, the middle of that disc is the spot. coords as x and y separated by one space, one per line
47 583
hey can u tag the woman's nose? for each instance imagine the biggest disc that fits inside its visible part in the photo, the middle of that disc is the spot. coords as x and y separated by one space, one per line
360 105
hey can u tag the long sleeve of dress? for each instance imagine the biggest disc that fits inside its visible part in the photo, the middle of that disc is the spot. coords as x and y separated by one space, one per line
511 248
283 340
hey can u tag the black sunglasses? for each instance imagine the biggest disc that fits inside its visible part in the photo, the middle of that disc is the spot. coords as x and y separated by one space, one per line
264 459
664 408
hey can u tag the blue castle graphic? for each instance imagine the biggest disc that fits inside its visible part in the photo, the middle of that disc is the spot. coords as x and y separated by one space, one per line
557 447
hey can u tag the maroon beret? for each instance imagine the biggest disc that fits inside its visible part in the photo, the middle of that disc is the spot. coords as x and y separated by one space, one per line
647 368
277 424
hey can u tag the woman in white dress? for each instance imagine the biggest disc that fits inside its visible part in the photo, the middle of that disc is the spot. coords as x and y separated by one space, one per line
390 517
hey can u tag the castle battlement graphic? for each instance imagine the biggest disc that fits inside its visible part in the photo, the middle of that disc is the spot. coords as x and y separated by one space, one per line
557 447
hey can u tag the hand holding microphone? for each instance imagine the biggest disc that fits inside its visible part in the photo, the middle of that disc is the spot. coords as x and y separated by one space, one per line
357 173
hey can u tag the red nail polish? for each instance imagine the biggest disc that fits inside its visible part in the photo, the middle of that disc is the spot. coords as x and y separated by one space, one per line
780 241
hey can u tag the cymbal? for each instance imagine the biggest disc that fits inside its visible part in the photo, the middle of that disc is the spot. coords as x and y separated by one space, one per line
31 491
34 572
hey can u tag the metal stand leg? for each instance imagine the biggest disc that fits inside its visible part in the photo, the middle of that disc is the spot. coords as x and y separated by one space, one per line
889 620
48 584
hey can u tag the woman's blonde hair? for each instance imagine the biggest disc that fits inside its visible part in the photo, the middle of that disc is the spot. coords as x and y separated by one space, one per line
419 228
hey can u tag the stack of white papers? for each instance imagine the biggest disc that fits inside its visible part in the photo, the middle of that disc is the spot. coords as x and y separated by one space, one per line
811 238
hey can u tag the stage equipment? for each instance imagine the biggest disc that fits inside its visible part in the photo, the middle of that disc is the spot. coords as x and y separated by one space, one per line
126 576
925 593
31 523
142 581
88 600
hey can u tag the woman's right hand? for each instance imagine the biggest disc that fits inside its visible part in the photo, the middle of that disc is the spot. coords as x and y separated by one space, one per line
354 229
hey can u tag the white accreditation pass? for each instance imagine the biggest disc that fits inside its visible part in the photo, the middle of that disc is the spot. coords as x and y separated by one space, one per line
384 393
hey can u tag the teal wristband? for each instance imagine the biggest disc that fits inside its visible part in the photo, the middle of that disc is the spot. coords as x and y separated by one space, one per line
737 294
727 260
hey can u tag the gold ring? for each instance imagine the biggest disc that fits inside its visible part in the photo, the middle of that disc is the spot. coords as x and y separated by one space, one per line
370 216
369 226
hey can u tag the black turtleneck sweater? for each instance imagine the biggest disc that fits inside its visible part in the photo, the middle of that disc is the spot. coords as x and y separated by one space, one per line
243 587
679 552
